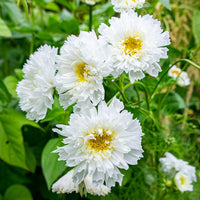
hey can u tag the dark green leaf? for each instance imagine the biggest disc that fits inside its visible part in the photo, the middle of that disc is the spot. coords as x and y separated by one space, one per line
5 97
51 167
14 12
173 103
18 192
30 158
11 144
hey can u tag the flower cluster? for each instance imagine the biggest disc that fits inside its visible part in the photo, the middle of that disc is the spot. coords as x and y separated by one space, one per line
100 139
180 76
181 171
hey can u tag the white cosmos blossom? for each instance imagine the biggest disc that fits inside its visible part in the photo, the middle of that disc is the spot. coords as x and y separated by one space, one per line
36 89
99 142
126 5
183 182
183 172
66 185
137 44
170 164
81 68
90 2
181 76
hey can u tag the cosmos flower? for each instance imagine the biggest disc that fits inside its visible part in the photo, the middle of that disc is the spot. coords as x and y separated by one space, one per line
66 185
170 164
36 89
81 68
99 142
181 76
126 5
183 182
137 44
180 170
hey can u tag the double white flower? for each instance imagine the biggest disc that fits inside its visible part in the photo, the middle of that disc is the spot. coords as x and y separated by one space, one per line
126 5
36 89
82 64
137 44
183 173
181 76
99 142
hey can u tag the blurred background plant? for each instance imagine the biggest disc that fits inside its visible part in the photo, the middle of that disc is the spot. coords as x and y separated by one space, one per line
169 114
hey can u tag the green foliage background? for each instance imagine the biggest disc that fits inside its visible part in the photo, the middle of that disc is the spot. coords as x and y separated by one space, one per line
169 114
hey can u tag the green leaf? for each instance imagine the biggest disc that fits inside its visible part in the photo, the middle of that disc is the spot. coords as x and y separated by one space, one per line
196 25
166 3
18 192
52 6
1 198
30 159
173 103
5 97
11 84
19 74
11 144
4 30
13 11
51 167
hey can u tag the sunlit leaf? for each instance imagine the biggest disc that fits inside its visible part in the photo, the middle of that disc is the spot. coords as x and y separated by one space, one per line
4 30
51 167
11 144
11 84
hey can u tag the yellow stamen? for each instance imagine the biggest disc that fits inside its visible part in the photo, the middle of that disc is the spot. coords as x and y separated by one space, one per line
132 45
175 72
81 72
102 142
182 180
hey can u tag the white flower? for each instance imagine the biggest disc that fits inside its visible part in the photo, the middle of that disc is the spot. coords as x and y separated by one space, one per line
66 185
81 68
126 5
182 77
100 142
36 89
170 164
137 44
90 2
183 182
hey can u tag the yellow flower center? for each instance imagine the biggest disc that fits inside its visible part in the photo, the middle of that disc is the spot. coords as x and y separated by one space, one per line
182 180
81 71
132 45
102 140
176 72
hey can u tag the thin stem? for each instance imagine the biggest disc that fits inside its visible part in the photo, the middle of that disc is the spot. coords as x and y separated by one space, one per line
180 60
120 90
145 91
138 95
90 17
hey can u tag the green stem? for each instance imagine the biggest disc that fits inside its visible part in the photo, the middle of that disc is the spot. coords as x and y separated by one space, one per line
180 60
138 95
90 17
145 91
120 90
